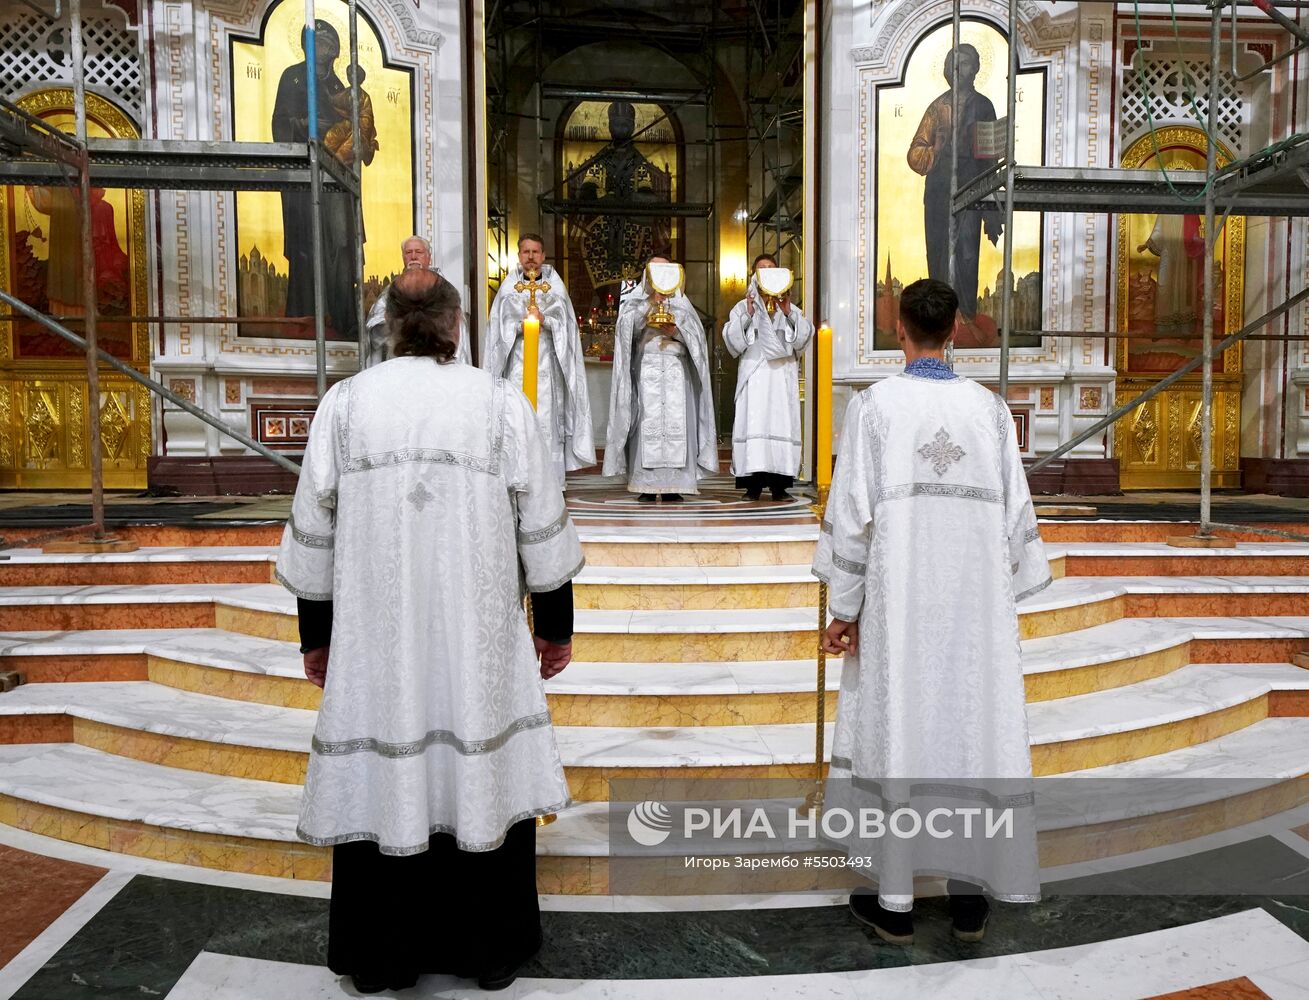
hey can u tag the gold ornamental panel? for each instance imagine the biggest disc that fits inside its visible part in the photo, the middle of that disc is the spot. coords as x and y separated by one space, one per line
44 432
44 441
1158 443
1159 283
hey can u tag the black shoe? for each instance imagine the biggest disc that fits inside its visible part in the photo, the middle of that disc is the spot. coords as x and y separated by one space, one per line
889 925
363 985
753 494
504 976
671 498
781 495
968 916
646 498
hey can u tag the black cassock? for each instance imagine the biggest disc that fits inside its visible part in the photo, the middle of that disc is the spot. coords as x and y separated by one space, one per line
290 116
443 910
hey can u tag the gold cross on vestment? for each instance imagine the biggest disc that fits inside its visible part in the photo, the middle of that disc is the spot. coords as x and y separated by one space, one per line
532 285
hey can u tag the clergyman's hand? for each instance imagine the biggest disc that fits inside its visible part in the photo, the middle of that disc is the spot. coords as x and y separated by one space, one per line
554 656
536 311
316 666
841 638
785 303
749 307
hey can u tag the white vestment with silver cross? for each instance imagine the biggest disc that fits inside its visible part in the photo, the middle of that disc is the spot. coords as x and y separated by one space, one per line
426 507
766 432
661 432
929 541
563 406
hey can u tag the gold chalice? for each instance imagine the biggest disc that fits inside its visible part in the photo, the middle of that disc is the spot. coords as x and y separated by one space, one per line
664 280
773 283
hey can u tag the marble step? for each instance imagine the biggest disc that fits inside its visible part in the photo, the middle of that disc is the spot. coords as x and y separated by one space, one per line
1130 650
250 668
1160 559
691 585
740 544
1053 530
687 587
267 610
165 725
238 824
152 565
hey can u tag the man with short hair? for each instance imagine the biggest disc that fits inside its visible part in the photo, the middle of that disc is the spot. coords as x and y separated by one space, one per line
929 541
416 253
563 407
766 431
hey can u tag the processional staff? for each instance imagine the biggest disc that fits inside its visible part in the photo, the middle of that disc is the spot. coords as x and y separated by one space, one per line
531 357
531 333
823 484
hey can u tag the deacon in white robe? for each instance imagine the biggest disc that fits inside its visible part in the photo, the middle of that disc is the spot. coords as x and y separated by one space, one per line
416 252
426 509
563 407
929 541
661 432
766 432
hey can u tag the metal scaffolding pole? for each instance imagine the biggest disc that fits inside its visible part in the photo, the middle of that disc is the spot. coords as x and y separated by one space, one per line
315 197
1210 245
88 277
954 159
357 168
1007 294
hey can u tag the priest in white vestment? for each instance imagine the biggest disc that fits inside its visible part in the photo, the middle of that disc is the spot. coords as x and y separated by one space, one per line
929 541
563 407
661 432
766 432
426 509
416 253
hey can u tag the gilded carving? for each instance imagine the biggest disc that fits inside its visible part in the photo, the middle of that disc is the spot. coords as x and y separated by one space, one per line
142 420
184 387
232 390
41 427
6 425
1047 397
1145 431
1231 439
77 427
115 422
1175 459
1090 397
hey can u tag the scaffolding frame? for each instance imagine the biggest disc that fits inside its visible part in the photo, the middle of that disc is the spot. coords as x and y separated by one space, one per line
32 152
1273 181
771 35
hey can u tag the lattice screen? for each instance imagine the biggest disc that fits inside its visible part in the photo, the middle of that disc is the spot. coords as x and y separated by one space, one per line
1165 88
34 50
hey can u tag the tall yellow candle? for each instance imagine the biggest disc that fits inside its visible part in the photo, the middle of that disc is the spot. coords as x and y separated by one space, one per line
531 356
823 383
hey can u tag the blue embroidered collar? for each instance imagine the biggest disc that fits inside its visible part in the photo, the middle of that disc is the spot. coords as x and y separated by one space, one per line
930 368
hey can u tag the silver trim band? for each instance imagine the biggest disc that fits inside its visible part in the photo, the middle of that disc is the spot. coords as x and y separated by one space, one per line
436 737
939 490
537 535
307 539
307 595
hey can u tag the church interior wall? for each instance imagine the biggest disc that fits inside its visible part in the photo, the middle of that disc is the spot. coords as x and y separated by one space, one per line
190 97
1085 49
